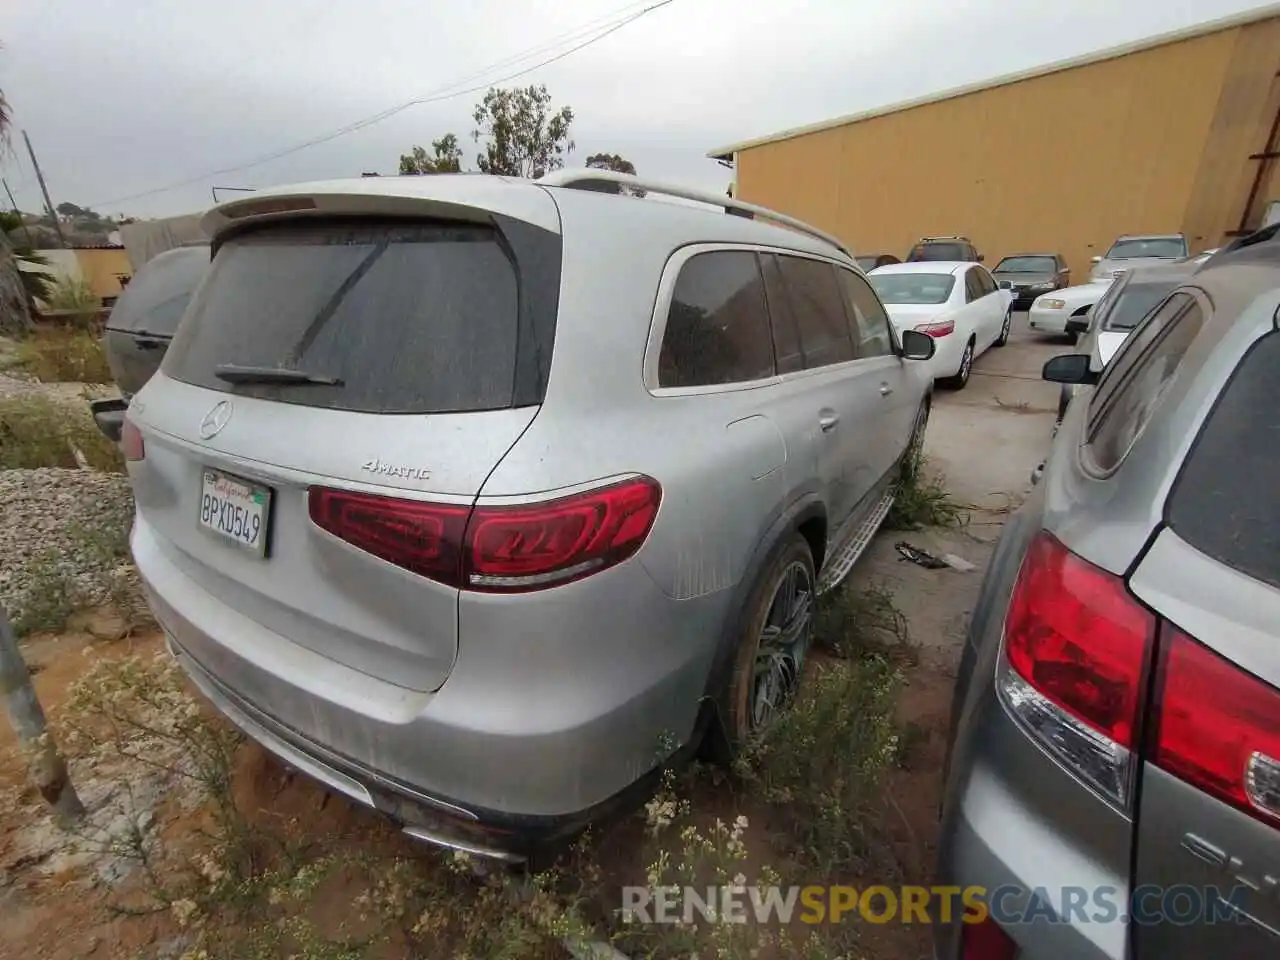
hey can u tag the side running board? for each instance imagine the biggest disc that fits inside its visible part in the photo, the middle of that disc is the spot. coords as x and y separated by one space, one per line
838 566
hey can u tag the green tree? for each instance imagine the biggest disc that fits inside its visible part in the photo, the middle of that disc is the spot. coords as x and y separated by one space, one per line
618 164
445 157
522 136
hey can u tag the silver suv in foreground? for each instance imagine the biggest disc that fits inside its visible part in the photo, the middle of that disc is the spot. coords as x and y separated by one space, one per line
1113 779
476 498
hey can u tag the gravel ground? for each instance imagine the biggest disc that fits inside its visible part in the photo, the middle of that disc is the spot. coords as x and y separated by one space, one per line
63 542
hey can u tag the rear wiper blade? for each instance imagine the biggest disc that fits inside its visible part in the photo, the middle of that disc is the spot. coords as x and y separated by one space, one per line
235 373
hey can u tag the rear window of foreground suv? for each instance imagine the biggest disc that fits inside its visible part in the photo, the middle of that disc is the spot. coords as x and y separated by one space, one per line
407 317
1224 502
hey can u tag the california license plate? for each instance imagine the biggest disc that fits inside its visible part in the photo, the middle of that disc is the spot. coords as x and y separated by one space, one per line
235 509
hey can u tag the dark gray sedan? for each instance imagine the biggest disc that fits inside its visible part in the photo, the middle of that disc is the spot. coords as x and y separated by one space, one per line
1032 274
1113 777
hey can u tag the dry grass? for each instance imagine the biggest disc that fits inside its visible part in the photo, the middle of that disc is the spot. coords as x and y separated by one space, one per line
63 355
39 432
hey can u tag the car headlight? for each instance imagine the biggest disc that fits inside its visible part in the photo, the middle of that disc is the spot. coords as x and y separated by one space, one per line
1049 304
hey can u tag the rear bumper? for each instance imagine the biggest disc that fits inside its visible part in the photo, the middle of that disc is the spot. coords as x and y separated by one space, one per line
1014 822
555 711
109 416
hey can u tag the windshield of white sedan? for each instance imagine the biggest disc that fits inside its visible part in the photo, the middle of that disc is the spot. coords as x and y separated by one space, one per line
1166 248
1026 265
1134 303
913 287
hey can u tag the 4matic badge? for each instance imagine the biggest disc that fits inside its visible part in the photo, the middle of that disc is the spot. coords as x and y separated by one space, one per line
384 469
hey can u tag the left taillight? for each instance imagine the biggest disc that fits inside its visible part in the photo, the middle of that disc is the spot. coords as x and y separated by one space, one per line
131 441
1076 654
497 547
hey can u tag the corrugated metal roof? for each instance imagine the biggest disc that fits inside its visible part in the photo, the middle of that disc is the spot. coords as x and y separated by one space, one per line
1110 53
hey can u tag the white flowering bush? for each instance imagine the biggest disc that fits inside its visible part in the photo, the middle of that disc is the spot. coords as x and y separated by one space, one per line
823 766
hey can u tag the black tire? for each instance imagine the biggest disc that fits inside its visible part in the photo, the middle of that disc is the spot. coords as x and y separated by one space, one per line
961 378
738 711
1064 398
1073 338
915 446
1004 330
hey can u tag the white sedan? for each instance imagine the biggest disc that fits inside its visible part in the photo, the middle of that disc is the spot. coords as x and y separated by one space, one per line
1050 312
959 304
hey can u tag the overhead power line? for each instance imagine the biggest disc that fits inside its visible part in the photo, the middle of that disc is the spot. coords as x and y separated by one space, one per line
435 96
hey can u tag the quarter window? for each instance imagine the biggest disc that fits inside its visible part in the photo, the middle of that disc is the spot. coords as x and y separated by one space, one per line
1137 378
786 338
870 322
818 306
718 325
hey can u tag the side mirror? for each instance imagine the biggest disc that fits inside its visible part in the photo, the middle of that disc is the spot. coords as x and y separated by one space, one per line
919 346
1079 325
1095 259
981 258
1069 368
1005 285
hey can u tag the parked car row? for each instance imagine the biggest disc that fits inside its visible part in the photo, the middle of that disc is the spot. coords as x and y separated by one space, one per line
1116 720
410 512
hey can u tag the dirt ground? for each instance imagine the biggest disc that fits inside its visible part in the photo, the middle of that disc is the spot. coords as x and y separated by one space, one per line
985 439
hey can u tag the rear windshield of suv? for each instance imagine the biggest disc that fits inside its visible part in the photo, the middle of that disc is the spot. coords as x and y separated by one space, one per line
158 294
1224 502
939 251
406 317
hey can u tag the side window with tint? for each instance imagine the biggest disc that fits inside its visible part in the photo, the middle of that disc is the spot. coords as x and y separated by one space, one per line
786 338
870 322
717 326
971 290
986 284
1118 418
818 306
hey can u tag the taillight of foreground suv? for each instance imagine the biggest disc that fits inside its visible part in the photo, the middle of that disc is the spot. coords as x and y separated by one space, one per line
1076 646
1077 654
496 548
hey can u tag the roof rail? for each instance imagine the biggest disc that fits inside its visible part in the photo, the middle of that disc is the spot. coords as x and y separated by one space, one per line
585 179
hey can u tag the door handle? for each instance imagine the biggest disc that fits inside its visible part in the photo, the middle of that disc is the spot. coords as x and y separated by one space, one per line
885 389
827 420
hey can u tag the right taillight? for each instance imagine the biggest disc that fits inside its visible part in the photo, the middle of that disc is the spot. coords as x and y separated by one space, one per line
131 444
496 547
937 328
1218 727
1076 648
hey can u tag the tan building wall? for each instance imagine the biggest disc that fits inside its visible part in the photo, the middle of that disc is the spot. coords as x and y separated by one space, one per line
1155 140
102 267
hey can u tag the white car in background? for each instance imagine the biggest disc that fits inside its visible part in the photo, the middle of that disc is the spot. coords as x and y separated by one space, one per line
1050 312
957 303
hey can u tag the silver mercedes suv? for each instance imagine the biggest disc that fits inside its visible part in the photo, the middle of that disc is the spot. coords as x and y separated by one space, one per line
477 498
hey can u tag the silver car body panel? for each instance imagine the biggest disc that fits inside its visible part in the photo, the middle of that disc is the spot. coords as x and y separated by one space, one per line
538 704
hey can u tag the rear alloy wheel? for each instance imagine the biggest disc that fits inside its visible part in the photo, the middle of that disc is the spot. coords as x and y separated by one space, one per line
1004 330
773 647
961 377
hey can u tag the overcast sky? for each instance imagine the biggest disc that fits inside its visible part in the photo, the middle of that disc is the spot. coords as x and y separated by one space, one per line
125 96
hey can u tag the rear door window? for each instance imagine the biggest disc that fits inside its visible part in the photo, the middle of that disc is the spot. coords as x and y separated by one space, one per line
818 305
717 328
870 322
155 299
972 285
1224 502
406 317
1134 384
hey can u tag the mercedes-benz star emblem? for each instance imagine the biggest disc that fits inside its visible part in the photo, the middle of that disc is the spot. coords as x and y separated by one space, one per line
215 420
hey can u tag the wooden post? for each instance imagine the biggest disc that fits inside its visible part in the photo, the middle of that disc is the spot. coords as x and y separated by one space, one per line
48 770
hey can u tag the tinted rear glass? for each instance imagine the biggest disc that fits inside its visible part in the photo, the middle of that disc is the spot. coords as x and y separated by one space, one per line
921 288
1133 303
158 294
940 251
410 317
1224 503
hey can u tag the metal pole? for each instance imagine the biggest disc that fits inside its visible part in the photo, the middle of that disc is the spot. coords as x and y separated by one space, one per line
14 203
48 204
48 770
